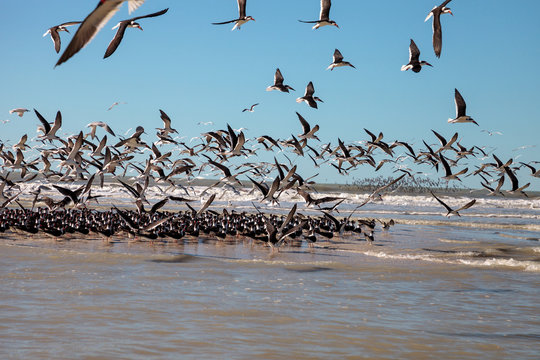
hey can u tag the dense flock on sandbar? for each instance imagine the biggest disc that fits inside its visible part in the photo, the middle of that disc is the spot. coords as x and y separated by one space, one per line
60 205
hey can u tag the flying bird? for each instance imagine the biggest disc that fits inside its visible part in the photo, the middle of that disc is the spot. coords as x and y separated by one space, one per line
101 124
115 104
461 108
122 26
414 59
437 30
308 97
338 61
242 18
19 111
278 83
449 210
94 22
250 109
55 30
324 17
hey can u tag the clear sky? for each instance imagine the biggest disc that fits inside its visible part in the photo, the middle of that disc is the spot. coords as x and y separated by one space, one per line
198 72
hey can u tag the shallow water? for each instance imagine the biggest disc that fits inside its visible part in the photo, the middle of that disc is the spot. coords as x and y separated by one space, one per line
419 291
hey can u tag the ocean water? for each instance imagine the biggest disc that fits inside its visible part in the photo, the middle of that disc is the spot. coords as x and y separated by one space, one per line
430 287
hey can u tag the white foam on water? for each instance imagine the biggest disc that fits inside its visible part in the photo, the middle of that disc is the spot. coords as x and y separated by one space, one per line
491 262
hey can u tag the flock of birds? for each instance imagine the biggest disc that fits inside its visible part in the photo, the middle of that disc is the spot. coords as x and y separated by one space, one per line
89 158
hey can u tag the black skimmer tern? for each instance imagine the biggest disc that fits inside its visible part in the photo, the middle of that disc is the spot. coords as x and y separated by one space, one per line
451 211
278 83
56 29
308 97
242 18
414 59
250 109
324 16
122 26
437 30
49 133
461 108
338 61
308 133
94 22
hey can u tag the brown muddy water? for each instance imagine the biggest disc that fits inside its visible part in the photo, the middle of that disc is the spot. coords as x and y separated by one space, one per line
418 292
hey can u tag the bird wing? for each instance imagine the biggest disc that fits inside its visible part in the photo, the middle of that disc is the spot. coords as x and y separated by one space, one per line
513 178
448 208
166 119
158 205
278 78
107 128
437 34
70 23
206 204
117 39
461 107
44 122
305 124
242 9
56 39
325 10
57 122
93 24
444 3
337 56
225 22
310 90
466 206
157 13
414 53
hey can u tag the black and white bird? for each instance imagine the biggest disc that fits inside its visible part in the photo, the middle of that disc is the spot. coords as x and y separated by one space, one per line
461 108
122 26
437 30
278 83
94 22
56 29
250 109
414 59
308 97
338 61
451 211
324 17
242 18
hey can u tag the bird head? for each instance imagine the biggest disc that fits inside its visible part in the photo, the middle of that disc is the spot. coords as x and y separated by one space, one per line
334 24
446 10
135 25
249 18
425 63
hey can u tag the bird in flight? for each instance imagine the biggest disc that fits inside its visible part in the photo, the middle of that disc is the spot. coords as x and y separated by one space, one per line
94 22
461 108
451 211
18 111
324 16
55 30
437 30
242 18
250 109
338 61
115 104
414 59
122 26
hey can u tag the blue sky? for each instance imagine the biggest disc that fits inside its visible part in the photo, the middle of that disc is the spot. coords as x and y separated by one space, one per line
197 72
